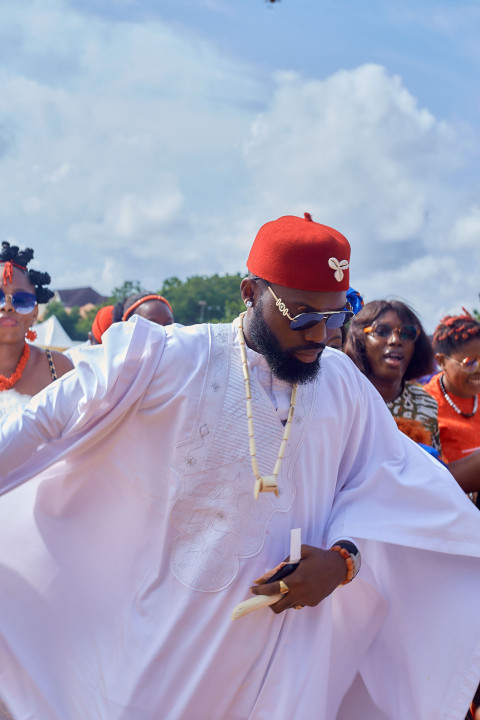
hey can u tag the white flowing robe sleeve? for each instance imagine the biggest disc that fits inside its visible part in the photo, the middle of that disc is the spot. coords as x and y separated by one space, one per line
414 525
82 405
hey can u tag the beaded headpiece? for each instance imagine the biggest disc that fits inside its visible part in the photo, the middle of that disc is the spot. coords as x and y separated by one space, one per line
11 256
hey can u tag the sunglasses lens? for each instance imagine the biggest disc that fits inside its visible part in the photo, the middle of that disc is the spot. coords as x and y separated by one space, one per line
336 321
305 321
23 302
408 332
382 330
309 320
471 364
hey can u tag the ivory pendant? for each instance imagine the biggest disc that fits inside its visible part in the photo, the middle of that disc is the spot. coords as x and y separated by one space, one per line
266 483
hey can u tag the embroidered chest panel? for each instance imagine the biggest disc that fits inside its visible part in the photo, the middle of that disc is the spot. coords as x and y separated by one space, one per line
216 517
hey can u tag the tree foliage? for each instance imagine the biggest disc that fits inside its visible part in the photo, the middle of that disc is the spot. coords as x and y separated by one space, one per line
476 313
68 320
201 298
122 292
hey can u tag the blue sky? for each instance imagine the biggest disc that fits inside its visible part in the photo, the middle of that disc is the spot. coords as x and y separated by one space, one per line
141 139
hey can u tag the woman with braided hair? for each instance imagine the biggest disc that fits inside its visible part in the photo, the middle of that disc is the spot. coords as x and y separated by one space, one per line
456 343
24 368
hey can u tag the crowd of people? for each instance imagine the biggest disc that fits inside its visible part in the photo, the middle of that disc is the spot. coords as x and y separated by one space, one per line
147 479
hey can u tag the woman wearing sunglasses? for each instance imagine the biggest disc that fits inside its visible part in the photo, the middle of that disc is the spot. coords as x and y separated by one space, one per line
387 342
456 343
24 368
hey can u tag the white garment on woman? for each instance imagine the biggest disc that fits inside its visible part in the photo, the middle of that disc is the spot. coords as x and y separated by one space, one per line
122 559
11 399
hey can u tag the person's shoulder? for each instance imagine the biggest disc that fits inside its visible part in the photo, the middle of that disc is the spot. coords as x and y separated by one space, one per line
419 393
416 389
192 344
339 370
188 335
62 363
432 387
336 362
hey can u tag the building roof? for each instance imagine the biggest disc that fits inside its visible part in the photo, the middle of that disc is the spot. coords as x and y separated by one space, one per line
78 297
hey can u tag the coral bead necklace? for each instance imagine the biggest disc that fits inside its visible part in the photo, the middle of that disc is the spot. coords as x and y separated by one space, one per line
6 383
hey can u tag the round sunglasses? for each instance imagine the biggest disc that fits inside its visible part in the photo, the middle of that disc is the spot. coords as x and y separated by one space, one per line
334 319
407 333
468 364
21 301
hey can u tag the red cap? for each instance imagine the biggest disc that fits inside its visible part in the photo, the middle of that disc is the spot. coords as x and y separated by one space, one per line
103 320
299 253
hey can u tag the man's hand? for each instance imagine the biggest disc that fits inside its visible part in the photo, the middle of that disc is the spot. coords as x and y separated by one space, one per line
319 573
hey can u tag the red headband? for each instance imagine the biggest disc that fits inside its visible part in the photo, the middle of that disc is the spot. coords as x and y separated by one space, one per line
137 304
7 273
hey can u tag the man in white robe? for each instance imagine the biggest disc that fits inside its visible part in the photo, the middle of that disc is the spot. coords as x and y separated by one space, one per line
129 528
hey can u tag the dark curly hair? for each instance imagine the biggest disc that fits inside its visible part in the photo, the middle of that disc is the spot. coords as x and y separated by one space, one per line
453 331
122 305
20 259
132 299
422 362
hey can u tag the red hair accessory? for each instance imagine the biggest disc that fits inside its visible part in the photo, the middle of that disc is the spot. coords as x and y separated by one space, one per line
7 273
103 320
137 304
300 253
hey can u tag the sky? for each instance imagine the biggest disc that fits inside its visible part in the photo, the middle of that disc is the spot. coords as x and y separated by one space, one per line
145 139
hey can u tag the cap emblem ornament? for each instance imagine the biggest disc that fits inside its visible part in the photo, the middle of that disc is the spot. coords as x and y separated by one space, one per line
339 267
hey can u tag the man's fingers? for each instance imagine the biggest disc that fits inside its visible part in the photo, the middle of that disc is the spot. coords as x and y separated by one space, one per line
273 588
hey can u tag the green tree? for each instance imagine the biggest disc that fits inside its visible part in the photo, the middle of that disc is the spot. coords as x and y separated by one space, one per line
120 293
202 298
476 313
68 320
84 324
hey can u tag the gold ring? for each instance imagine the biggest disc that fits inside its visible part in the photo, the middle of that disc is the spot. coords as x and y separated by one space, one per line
283 587
298 607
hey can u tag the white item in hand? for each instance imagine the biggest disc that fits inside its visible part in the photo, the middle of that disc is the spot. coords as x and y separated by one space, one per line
254 603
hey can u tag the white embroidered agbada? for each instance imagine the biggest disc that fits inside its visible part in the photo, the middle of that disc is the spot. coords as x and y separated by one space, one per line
122 557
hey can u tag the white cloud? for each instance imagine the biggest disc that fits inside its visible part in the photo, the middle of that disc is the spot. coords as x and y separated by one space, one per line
131 151
358 152
117 138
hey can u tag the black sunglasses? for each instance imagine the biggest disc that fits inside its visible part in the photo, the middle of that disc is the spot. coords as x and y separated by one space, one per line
407 333
21 301
334 319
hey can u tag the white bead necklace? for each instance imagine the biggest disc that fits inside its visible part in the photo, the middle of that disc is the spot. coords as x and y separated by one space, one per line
452 404
263 483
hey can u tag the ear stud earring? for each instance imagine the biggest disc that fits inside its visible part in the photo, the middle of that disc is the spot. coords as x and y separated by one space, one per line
248 303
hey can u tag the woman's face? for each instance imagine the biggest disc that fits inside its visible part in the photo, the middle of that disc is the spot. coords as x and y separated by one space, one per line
457 381
14 325
388 357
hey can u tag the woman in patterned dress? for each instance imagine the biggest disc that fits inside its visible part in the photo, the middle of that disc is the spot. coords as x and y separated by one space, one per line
388 344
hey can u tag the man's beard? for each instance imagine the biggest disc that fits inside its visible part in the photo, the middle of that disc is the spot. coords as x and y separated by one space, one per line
283 363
